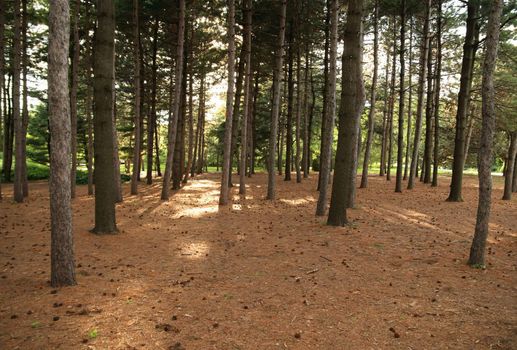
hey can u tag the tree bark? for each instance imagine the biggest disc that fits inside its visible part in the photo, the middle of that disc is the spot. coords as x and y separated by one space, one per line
247 91
136 83
384 141
2 105
17 117
173 117
25 108
103 71
62 266
190 111
410 100
426 169
227 156
420 97
509 174
277 76
88 112
373 96
391 110
400 136
73 95
297 160
467 68
330 110
351 106
437 81
236 112
151 118
290 100
485 155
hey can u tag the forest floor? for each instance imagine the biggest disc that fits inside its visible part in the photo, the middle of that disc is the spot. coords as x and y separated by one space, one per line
186 274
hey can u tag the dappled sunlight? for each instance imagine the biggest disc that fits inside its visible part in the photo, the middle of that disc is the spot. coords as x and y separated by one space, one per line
196 212
298 201
194 250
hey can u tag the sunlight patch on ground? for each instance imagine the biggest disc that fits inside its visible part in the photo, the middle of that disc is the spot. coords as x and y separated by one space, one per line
194 250
298 201
197 212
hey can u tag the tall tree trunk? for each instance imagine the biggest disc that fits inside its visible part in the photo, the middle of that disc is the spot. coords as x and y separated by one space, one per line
470 128
25 108
179 150
151 118
437 79
73 94
385 108
62 266
400 136
116 159
306 130
485 157
420 96
88 111
17 117
330 110
467 68
227 156
391 110
351 107
2 105
428 118
104 144
236 113
324 127
514 180
371 113
410 99
282 124
290 100
136 83
509 174
298 153
277 76
173 117
190 110
247 90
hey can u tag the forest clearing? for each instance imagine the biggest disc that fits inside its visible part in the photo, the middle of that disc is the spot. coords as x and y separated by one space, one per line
263 275
258 174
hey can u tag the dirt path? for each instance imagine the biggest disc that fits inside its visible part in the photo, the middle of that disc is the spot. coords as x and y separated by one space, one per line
259 275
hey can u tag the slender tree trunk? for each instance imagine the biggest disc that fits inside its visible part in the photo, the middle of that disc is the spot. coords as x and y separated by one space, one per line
136 83
384 142
2 105
157 166
351 107
298 112
330 110
290 98
437 78
104 144
247 90
73 94
190 111
467 67
470 128
410 99
306 132
391 110
236 113
371 113
116 159
400 136
324 127
88 113
485 156
173 119
428 149
151 118
17 117
25 108
509 174
62 266
227 156
282 124
277 76
420 97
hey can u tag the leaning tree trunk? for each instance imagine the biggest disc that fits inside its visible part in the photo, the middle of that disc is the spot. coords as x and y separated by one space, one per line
103 72
373 96
420 97
400 136
17 118
467 67
227 156
330 111
351 107
509 175
62 266
485 157
136 83
247 90
173 119
277 74
73 95
437 81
